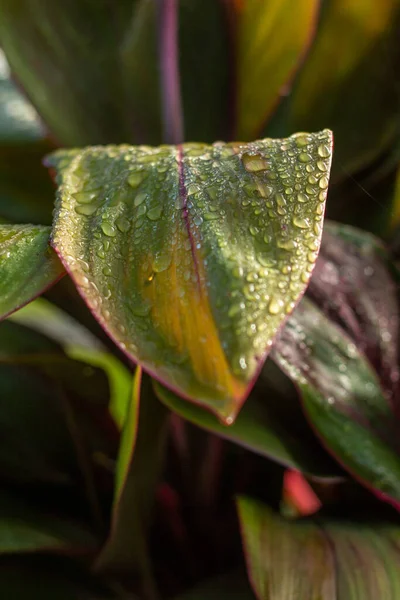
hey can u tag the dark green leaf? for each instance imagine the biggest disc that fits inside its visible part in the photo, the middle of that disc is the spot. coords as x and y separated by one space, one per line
270 424
272 38
79 344
225 241
319 560
89 68
137 471
342 397
25 527
27 265
37 384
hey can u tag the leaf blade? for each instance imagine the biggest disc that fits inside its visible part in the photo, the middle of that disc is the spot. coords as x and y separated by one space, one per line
28 266
159 196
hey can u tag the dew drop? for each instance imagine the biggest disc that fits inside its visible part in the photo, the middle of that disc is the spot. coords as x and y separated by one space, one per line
108 229
135 179
275 305
304 157
85 209
254 162
155 213
300 222
323 183
139 198
323 151
123 224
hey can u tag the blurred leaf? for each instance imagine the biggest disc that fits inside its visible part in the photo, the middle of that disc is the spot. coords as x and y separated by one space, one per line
205 75
37 384
353 285
19 121
27 265
27 198
226 587
217 231
269 424
319 560
272 38
342 398
89 68
355 57
80 344
26 528
137 471
47 578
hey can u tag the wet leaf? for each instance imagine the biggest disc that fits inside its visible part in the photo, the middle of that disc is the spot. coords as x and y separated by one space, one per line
342 398
191 257
137 470
338 77
269 424
321 559
107 55
353 285
28 265
25 527
272 38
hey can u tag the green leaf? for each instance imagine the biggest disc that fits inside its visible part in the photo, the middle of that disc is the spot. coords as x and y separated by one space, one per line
80 344
137 472
272 38
39 387
28 265
354 57
269 424
321 560
25 527
342 398
107 55
192 257
233 586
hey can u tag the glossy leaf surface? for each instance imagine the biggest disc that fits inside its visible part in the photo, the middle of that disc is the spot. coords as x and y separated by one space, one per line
322 560
28 265
338 77
272 38
352 406
191 257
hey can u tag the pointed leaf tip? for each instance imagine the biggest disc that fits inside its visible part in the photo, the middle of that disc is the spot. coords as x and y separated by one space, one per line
192 257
